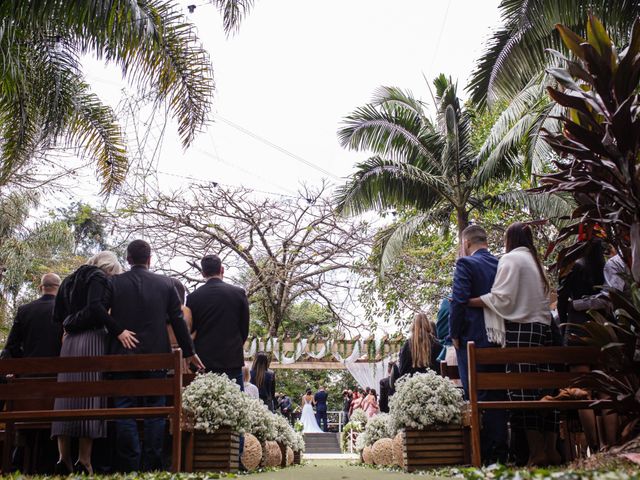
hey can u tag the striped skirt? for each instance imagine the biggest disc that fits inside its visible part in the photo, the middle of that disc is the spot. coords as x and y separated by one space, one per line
84 344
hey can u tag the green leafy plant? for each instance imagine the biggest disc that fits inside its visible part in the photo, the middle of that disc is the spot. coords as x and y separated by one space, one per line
600 168
600 141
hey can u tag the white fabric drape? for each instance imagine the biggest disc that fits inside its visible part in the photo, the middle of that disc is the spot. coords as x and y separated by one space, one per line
366 374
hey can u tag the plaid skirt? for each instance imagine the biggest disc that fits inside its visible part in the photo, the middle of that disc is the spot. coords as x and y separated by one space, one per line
530 335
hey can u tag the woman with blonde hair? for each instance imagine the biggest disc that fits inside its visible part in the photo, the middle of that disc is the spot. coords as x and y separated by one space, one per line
81 307
421 351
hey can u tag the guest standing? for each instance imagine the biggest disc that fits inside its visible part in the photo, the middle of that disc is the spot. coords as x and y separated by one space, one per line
473 277
264 379
220 321
347 395
584 280
517 314
145 302
81 308
32 333
249 388
320 399
386 390
421 351
370 404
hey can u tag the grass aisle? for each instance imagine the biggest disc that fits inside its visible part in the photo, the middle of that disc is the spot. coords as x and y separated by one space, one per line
332 470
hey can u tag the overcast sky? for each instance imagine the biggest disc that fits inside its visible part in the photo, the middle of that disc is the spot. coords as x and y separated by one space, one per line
294 70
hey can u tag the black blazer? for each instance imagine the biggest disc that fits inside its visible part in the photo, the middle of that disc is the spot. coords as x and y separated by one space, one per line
221 321
144 302
405 359
33 333
268 389
385 393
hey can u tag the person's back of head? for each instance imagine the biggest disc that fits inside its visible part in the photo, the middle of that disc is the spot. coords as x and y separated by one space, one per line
246 375
260 367
593 261
139 253
474 237
519 235
420 342
49 284
107 262
211 266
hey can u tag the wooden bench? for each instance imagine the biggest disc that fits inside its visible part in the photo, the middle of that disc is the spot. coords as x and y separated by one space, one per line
32 388
565 356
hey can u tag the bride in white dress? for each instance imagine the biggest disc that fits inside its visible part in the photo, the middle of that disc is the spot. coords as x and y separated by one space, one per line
308 418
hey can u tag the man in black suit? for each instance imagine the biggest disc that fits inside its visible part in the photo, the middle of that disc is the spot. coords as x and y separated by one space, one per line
386 391
220 314
321 408
144 302
33 334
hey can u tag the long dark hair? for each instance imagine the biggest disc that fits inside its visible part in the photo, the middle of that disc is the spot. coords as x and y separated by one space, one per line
260 367
520 235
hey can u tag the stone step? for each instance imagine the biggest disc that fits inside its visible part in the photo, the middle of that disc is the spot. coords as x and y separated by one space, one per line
322 443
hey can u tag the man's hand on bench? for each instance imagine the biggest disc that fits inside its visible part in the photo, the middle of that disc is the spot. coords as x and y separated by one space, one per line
196 362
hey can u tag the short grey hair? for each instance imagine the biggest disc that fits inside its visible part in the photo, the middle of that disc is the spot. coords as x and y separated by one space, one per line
107 262
475 234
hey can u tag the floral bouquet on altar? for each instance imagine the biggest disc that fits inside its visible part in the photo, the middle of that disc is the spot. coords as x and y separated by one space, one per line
426 400
213 401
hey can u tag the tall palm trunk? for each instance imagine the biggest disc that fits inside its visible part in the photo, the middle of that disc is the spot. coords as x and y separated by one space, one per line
462 221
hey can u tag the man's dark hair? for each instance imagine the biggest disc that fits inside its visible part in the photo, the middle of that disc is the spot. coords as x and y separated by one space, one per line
211 265
138 252
475 234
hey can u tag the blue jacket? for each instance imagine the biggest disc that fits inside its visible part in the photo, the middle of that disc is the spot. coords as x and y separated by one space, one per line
474 276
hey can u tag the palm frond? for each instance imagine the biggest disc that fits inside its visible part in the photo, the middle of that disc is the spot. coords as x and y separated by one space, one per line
394 238
392 132
380 184
547 206
516 51
93 126
233 12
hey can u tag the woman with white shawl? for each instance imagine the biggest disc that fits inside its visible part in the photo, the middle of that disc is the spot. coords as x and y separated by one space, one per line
517 314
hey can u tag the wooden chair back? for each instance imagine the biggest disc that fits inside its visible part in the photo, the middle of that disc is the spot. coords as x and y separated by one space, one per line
29 395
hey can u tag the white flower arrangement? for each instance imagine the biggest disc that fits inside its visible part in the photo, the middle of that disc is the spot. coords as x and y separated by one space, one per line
214 401
284 432
361 442
424 400
260 421
347 430
379 426
359 415
298 445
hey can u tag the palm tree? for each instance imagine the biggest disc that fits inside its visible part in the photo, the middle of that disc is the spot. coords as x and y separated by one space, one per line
516 52
45 100
429 167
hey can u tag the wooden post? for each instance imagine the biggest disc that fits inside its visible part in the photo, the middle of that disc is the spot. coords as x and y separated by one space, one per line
473 400
7 448
177 412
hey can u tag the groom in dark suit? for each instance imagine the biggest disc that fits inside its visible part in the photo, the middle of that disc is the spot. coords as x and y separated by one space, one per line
474 276
321 408
145 302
